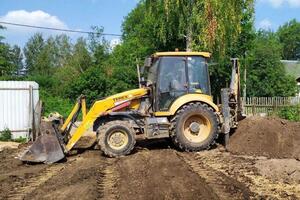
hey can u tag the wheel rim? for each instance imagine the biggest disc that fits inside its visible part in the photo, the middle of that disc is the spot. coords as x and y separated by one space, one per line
196 128
117 140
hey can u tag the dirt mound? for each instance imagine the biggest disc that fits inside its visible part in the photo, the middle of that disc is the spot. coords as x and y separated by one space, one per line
269 137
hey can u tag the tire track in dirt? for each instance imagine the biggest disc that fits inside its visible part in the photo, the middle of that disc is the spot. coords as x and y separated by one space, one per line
225 187
80 179
107 181
34 182
242 169
158 174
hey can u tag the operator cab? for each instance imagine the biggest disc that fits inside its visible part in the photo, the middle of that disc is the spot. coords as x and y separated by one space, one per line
174 74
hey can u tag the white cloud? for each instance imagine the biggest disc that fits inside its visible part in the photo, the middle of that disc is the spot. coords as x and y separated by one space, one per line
114 42
265 24
279 3
36 18
294 3
276 3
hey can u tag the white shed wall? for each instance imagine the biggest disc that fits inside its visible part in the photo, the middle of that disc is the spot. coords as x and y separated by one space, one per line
15 112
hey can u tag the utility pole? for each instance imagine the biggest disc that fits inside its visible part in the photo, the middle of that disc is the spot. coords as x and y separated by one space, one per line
245 77
245 83
138 72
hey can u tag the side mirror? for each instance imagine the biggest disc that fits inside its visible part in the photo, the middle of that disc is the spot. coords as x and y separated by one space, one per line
148 62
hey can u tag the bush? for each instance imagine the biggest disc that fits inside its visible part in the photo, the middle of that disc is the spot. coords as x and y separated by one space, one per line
44 81
291 113
20 140
5 135
55 104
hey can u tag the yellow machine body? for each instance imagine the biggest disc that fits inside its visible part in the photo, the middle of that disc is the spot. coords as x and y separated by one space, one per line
185 99
182 53
155 117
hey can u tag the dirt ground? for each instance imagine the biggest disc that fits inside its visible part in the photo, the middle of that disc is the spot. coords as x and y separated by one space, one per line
155 170
10 145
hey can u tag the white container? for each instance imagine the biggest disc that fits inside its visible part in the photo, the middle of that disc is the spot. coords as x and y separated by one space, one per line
17 102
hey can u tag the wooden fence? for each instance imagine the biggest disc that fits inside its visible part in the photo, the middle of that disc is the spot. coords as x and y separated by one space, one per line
267 105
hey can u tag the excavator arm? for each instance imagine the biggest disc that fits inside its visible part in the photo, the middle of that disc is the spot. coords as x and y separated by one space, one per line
102 108
50 148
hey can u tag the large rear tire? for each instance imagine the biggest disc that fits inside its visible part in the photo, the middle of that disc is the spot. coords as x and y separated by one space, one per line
194 127
116 138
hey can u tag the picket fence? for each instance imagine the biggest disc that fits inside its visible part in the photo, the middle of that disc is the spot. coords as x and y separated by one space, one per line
267 105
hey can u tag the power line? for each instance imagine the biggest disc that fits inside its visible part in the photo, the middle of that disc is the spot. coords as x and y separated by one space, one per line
58 29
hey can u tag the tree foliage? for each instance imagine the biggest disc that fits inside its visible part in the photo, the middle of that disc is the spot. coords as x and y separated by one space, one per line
266 74
99 82
10 58
224 28
65 69
289 36
33 51
209 25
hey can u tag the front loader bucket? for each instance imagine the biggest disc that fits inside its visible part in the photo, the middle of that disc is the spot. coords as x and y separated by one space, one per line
46 149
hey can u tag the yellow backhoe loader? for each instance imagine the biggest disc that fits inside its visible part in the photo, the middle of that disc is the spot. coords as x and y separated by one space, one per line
173 101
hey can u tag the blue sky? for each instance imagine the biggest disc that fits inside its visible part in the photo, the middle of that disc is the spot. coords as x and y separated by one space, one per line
81 14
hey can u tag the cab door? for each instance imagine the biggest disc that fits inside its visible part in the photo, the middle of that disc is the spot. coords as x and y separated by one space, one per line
172 81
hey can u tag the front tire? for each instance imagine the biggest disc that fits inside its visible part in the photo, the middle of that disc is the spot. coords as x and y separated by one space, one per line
194 127
116 138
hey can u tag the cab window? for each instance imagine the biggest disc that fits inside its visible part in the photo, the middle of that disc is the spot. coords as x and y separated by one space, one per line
172 80
198 75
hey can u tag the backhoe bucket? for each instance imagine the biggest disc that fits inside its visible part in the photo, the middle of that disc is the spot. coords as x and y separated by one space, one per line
46 149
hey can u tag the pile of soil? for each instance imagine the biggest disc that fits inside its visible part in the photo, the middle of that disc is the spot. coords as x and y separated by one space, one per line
269 137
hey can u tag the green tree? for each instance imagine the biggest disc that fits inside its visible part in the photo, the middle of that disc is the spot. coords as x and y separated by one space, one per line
5 65
4 49
64 50
98 82
1 28
266 74
17 58
76 63
224 28
98 46
10 58
289 36
92 83
81 58
44 56
210 25
34 54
